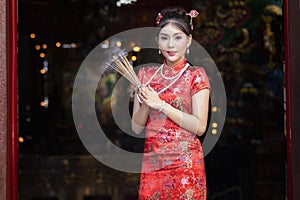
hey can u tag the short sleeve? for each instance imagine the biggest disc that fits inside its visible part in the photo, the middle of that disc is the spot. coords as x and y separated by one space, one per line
199 80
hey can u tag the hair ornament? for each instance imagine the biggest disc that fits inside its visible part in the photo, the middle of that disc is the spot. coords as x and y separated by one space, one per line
192 14
158 18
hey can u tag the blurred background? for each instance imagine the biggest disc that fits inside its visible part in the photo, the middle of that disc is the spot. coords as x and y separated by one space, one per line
244 38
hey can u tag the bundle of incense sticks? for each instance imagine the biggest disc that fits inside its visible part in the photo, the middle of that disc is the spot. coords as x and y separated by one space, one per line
122 66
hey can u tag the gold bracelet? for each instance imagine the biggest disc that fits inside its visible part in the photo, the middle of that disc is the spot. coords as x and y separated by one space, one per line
162 106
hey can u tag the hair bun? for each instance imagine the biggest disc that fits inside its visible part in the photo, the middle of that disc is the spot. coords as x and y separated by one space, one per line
176 16
171 11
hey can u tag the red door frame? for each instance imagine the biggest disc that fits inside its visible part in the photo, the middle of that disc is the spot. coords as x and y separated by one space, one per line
12 126
12 101
288 104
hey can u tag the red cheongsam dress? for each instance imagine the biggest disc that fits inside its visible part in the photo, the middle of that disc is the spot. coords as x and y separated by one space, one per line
173 164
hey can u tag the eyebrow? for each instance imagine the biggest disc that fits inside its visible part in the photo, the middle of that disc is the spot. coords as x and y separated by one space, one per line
178 33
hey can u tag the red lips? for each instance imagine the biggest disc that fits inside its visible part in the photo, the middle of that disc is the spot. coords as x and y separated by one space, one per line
171 53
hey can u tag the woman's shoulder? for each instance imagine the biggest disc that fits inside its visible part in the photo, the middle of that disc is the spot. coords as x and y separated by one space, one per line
149 68
197 69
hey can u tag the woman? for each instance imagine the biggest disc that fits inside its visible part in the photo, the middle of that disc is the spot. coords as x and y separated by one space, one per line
173 105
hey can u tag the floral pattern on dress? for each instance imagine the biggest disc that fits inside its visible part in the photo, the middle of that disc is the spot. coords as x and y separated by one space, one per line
173 164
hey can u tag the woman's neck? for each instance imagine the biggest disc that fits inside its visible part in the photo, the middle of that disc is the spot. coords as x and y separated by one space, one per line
173 64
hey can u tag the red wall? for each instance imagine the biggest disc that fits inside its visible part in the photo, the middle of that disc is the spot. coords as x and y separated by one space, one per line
3 100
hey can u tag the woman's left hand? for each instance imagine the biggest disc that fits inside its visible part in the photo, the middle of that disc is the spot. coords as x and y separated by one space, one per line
150 97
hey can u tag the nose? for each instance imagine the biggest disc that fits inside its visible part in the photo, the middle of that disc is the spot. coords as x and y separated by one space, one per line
171 43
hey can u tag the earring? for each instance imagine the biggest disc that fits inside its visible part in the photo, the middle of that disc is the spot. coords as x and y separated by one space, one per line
159 52
188 50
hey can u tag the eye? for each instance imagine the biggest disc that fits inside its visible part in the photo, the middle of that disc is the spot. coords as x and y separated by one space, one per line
178 37
163 37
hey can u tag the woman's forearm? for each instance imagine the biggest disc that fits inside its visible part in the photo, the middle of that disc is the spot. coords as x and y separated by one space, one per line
185 120
195 122
139 117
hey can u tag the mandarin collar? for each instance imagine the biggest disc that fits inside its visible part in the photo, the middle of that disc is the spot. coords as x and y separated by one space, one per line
177 67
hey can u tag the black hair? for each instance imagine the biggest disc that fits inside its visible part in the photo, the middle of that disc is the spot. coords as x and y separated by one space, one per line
176 16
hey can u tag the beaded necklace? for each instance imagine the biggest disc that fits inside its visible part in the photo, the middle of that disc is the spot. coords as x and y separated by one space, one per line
176 77
169 78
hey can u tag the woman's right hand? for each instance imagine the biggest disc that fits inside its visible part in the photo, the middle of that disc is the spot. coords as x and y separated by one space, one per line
150 97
